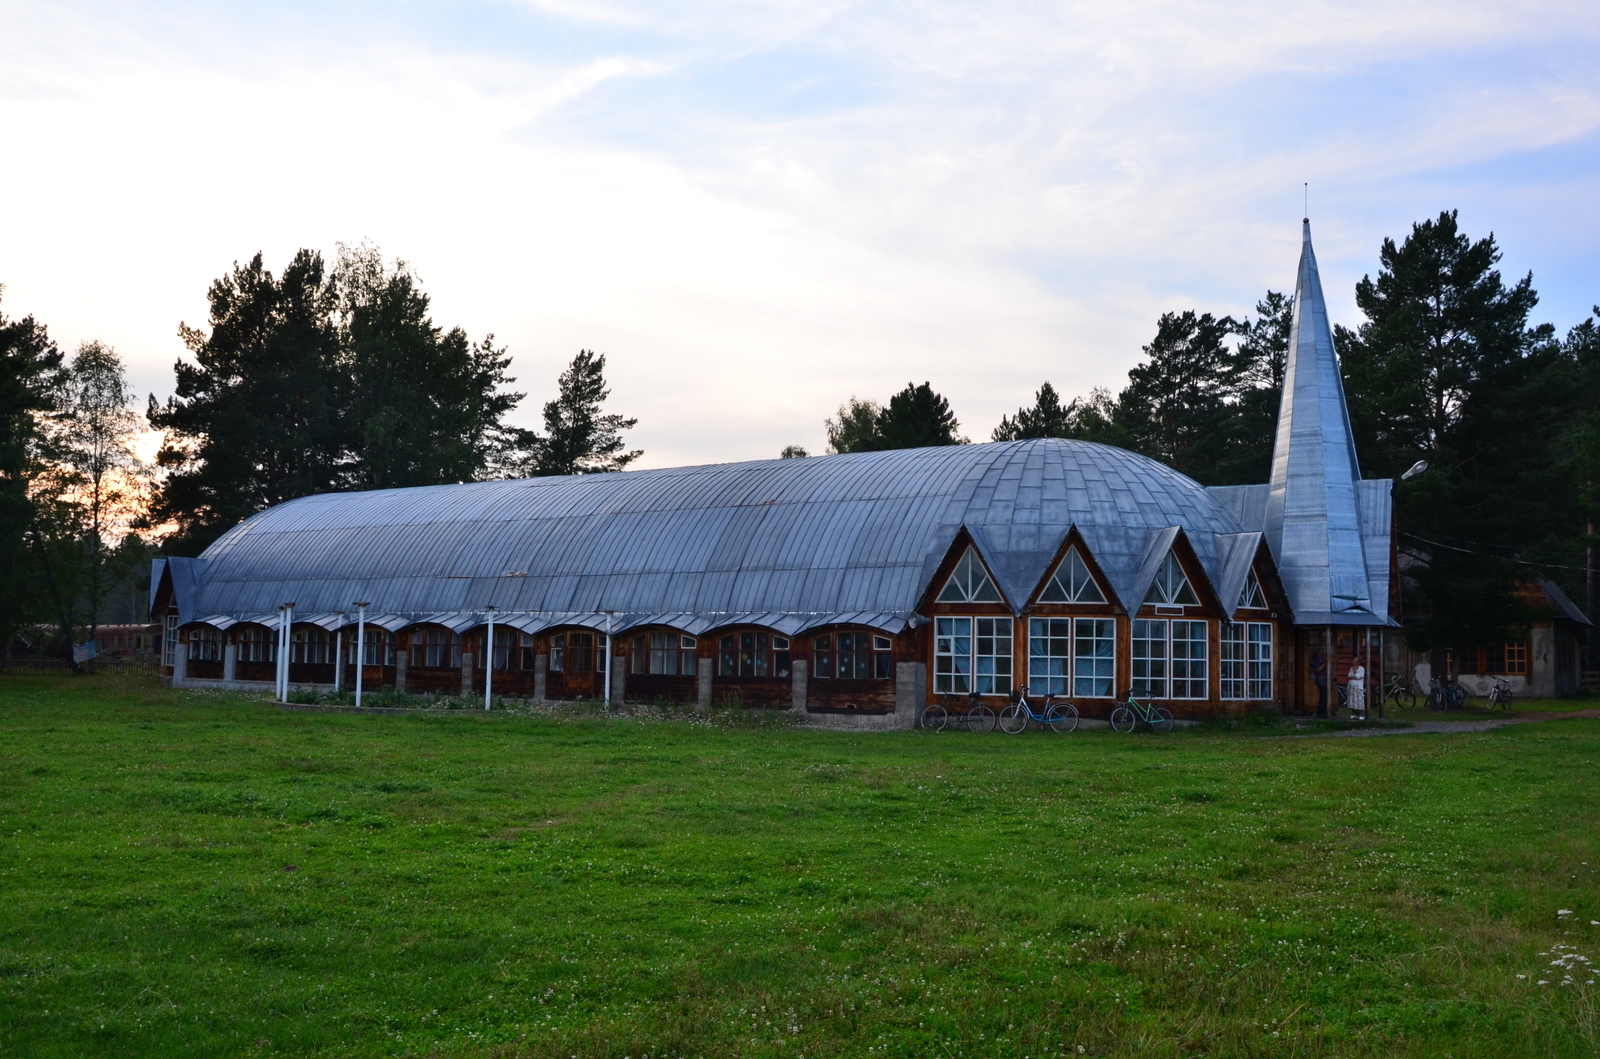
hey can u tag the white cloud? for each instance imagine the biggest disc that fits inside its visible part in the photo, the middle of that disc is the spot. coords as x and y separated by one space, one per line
757 210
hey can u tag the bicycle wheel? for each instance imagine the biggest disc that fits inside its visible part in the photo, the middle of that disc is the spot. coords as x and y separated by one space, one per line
980 719
1162 722
1013 719
1404 698
1122 719
934 718
1061 716
1458 697
1505 698
1438 701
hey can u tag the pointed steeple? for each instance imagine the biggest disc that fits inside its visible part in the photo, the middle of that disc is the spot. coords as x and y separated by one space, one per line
1312 524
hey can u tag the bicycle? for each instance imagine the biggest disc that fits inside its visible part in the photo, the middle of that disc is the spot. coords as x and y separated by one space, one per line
1446 694
1397 691
1500 694
974 716
1059 714
1131 712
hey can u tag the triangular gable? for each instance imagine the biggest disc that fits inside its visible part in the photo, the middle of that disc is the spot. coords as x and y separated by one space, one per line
1170 587
177 576
1071 580
1237 553
969 581
1251 597
1015 570
1157 546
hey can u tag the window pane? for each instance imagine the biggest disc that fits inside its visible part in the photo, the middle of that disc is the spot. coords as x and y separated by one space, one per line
822 657
1094 659
1150 658
1190 649
1049 656
1260 659
1231 665
952 655
728 656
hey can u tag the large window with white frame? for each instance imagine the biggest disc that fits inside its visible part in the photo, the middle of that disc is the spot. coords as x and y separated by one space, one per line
1072 656
1190 651
1049 656
1259 659
972 655
663 654
1246 663
1149 658
1094 658
258 644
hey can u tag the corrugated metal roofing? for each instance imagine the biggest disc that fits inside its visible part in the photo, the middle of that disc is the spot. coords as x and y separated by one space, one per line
796 543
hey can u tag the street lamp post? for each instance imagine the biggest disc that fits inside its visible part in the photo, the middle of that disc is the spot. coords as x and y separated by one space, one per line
361 645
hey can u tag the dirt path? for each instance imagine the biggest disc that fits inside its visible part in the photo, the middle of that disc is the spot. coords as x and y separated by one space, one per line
1462 726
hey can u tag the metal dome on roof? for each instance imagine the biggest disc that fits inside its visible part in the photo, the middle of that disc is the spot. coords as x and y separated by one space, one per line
787 543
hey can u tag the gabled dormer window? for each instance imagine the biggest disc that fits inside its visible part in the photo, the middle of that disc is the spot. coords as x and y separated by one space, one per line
1072 583
1252 596
1171 587
969 583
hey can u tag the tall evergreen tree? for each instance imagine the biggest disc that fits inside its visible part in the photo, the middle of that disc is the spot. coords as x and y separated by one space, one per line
1254 390
426 406
1083 418
579 438
1174 406
258 418
916 417
1446 369
30 383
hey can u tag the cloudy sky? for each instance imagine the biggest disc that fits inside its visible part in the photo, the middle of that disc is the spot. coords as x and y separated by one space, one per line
758 209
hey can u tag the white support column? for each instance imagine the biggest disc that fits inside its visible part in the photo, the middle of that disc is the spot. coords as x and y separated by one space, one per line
488 665
608 659
338 657
361 646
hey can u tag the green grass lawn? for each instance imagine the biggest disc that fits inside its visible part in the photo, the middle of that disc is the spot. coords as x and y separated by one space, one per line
198 875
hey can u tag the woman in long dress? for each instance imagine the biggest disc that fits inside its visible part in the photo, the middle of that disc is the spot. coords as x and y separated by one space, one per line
1356 689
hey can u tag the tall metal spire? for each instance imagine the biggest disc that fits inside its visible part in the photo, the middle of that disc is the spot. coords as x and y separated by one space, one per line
1312 523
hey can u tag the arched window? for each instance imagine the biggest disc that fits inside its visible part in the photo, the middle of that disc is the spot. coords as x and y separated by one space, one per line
309 645
1171 587
852 655
258 644
1072 582
664 653
434 648
205 644
752 654
577 652
969 582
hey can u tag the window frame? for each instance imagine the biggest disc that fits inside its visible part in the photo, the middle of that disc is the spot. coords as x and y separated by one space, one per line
1144 684
1189 670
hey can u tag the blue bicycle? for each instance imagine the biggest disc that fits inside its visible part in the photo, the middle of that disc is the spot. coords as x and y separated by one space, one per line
1059 715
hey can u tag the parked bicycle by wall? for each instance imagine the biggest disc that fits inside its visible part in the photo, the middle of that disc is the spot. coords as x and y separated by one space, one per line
1131 711
1500 694
1057 713
961 712
1445 694
1398 692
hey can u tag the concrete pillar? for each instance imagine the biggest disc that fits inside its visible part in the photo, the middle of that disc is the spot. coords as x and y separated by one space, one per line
702 697
797 679
466 672
230 660
540 664
402 656
180 658
619 678
910 693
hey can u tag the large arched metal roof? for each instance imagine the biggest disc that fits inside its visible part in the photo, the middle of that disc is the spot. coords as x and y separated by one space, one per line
787 543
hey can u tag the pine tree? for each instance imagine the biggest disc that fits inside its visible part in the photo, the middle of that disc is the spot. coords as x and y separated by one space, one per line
578 438
30 383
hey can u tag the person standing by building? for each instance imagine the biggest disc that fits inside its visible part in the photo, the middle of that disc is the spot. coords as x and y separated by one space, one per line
1319 677
1356 689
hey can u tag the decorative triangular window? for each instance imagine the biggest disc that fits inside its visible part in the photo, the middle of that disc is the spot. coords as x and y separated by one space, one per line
1071 583
969 583
1251 596
1170 586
